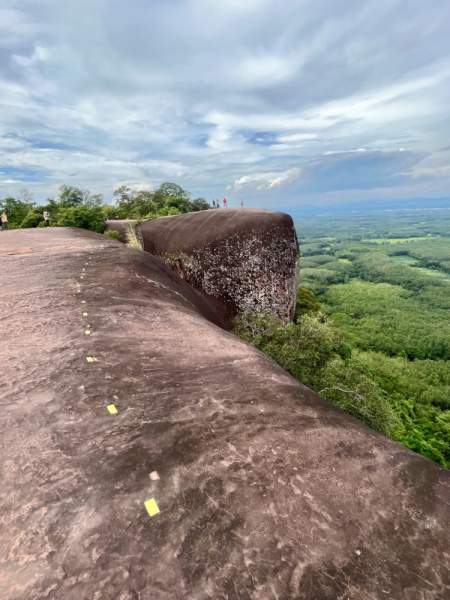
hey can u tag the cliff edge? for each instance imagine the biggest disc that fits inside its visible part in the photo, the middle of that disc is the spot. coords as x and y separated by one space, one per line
265 491
241 260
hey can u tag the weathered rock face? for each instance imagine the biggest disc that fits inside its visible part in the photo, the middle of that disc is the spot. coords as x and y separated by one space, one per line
242 260
266 491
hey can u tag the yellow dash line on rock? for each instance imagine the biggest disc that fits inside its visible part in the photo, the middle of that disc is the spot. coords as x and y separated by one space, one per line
152 507
112 409
89 359
87 332
84 314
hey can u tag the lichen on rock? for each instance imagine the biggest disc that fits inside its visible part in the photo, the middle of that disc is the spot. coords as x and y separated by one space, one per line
244 261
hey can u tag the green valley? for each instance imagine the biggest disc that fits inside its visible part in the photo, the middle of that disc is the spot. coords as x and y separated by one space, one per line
383 281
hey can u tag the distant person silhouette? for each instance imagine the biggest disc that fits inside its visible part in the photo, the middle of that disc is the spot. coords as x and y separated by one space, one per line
242 204
214 204
225 203
46 218
4 220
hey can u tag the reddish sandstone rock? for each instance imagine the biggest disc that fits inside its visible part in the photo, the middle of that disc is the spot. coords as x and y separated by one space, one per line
266 491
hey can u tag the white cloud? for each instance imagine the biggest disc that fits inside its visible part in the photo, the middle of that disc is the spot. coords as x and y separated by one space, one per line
40 54
261 181
211 93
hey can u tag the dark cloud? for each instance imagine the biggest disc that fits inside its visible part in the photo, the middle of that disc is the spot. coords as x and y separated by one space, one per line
360 170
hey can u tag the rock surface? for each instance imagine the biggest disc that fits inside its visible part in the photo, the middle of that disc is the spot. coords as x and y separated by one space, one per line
242 260
265 490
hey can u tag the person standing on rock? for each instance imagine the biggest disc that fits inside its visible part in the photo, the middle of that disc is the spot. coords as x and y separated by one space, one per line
46 218
214 204
242 204
4 221
225 203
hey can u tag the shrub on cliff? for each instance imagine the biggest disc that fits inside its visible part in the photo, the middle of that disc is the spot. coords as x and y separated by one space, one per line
114 235
306 304
168 211
82 216
33 218
312 352
200 204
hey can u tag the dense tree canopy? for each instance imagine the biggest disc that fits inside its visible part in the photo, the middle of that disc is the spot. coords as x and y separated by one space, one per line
71 196
310 350
16 209
92 210
383 281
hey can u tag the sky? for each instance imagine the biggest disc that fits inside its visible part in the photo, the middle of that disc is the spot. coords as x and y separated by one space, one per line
279 103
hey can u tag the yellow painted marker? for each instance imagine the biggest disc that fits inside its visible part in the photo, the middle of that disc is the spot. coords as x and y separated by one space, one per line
83 302
152 507
78 291
89 359
87 332
112 409
84 314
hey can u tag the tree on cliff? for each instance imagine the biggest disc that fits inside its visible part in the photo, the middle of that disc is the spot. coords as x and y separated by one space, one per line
16 209
307 303
171 190
313 352
200 204
70 196
133 204
168 199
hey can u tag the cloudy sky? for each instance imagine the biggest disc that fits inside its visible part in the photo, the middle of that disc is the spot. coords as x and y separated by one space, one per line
280 103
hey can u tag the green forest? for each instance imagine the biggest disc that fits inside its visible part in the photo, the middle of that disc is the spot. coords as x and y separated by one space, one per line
372 330
76 207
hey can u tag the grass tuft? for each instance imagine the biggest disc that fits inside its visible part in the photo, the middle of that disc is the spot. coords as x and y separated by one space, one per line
134 238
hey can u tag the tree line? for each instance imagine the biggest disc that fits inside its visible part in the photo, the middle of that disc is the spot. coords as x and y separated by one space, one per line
76 207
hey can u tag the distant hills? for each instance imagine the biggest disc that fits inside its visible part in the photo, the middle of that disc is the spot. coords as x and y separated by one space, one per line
297 212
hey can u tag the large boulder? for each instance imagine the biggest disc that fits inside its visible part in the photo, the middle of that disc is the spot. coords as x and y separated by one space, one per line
241 260
265 490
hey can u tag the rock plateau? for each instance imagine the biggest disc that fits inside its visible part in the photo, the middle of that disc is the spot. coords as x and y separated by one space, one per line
265 490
